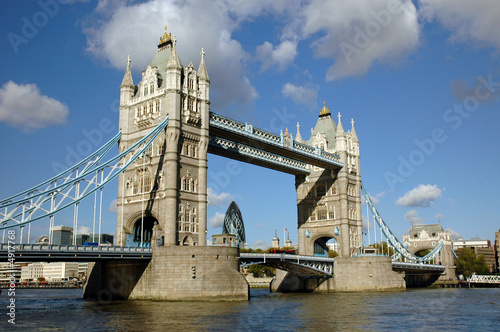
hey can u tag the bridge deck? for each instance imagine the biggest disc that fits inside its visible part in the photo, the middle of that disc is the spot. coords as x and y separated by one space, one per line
71 253
244 134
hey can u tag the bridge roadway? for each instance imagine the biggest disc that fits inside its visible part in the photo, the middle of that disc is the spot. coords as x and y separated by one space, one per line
70 253
242 141
307 266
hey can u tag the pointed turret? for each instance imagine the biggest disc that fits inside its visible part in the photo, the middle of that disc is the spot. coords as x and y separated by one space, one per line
340 138
174 62
127 87
353 132
127 78
298 137
202 70
340 129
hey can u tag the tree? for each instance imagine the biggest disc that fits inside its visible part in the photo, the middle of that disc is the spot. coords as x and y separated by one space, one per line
468 262
261 271
332 253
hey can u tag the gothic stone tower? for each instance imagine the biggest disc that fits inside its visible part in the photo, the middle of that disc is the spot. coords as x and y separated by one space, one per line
163 195
329 203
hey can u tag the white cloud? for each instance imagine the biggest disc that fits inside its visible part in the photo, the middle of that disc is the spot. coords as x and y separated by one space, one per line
454 235
112 206
261 244
413 218
376 199
423 196
217 220
23 106
281 55
135 29
303 95
215 199
357 34
475 21
84 230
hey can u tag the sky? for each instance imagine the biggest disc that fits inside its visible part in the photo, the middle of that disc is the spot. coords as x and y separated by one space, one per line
420 79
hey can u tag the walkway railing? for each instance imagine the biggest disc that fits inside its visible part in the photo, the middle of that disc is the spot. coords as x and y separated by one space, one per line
247 129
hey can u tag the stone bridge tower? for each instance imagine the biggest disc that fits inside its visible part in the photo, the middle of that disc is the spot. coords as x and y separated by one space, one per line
163 195
427 237
329 203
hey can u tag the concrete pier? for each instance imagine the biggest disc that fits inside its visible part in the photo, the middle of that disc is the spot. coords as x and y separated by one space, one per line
352 274
174 273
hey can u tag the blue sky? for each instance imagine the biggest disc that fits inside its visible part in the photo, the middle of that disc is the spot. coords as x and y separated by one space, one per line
420 79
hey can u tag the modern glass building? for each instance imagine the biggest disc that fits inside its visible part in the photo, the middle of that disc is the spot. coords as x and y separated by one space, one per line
233 224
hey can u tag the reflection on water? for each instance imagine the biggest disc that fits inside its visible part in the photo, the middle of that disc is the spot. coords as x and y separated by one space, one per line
416 310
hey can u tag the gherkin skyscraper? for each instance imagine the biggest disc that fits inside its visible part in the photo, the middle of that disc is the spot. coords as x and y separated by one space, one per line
233 224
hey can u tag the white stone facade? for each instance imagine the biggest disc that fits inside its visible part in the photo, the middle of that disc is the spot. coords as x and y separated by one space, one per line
167 188
329 202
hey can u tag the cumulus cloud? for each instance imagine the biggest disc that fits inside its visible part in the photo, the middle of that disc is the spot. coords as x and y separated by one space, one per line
23 106
280 56
119 28
84 230
475 21
261 244
421 196
217 220
357 34
454 235
376 199
112 206
413 218
301 95
215 199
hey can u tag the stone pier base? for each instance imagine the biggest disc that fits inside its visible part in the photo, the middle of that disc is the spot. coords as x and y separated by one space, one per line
174 273
366 273
353 274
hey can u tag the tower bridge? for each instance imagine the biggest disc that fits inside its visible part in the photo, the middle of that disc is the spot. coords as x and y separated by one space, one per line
166 133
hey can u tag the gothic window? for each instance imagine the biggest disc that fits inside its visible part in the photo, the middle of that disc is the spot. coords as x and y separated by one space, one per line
188 149
151 88
190 104
194 152
334 190
157 106
160 148
142 183
137 112
190 83
320 190
145 90
312 215
151 107
321 212
331 212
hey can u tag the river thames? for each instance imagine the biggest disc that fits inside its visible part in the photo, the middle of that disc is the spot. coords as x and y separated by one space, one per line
413 310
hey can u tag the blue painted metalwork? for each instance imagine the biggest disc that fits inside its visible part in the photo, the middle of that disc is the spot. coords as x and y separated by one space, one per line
254 153
71 253
311 265
56 192
401 250
246 129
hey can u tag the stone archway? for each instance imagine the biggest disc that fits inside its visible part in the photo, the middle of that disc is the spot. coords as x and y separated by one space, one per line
143 231
187 241
322 244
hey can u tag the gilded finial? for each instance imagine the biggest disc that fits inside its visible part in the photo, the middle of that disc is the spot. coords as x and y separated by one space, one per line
166 37
325 110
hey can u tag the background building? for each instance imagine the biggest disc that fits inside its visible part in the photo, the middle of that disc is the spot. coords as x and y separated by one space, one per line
62 235
497 248
481 247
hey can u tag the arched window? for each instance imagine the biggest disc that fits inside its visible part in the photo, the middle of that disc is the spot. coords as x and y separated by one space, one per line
320 190
321 212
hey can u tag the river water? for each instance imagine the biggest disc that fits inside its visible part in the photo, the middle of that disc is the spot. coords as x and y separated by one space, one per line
413 310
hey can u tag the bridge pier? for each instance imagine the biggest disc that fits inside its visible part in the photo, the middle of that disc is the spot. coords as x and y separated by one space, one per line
352 274
174 273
